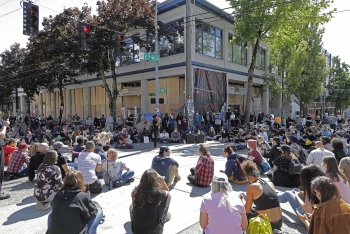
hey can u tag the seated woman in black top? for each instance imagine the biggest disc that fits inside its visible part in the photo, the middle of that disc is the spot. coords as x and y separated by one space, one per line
150 204
72 209
263 194
280 175
274 152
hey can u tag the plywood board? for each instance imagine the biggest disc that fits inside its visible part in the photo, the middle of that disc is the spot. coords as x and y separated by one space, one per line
72 98
173 90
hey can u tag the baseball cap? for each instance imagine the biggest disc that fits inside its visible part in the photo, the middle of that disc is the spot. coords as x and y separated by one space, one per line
22 146
163 148
58 145
220 178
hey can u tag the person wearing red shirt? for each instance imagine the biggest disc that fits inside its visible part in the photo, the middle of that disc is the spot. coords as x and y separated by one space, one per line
9 148
202 174
19 157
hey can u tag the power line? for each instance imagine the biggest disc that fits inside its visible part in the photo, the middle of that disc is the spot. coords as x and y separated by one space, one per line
6 2
13 10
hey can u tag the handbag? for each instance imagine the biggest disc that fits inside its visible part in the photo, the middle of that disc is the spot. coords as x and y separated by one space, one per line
295 167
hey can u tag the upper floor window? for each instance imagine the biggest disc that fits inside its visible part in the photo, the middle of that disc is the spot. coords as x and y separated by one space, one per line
260 59
237 53
130 54
208 40
171 44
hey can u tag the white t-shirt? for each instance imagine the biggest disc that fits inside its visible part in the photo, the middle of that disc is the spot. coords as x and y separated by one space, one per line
87 162
316 157
221 219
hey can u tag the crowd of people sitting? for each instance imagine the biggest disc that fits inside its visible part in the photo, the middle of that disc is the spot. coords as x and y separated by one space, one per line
312 158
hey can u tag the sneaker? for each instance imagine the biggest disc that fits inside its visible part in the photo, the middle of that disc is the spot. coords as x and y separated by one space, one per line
4 196
117 184
167 217
130 180
177 179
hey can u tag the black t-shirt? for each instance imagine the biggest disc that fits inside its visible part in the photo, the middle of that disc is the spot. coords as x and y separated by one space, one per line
308 122
146 219
61 160
34 121
282 163
102 120
96 122
228 115
130 123
312 137
43 122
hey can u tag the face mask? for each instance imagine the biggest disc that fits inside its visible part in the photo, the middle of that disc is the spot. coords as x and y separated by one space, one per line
175 131
62 150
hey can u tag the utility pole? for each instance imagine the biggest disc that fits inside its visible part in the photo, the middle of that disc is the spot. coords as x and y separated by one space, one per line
189 70
156 52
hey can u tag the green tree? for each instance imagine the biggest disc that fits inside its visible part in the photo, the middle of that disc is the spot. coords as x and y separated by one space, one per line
277 21
339 85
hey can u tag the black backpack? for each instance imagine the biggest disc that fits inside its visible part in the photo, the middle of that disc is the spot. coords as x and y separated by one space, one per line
295 167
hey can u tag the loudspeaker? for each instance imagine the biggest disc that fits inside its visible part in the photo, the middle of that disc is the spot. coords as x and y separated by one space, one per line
199 139
190 139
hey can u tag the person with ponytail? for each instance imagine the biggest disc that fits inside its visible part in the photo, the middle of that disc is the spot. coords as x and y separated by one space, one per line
202 174
221 210
262 194
232 167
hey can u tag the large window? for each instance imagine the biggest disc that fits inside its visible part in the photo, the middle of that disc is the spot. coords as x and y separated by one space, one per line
130 55
174 43
208 40
260 59
237 53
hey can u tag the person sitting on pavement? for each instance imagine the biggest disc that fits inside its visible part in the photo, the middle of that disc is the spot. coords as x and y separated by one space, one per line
99 150
36 160
295 149
316 156
151 199
232 168
166 166
114 172
164 137
211 134
16 166
134 135
49 181
303 199
203 173
262 194
225 137
332 214
340 180
256 156
47 137
62 161
124 140
338 149
9 148
33 149
72 209
88 163
274 151
280 175
326 143
221 210
175 136
79 147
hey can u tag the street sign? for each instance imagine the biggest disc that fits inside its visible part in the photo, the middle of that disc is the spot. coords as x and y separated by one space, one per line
149 57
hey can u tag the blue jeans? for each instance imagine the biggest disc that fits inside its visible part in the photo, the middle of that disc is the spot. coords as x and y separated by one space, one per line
73 165
161 140
91 223
228 124
127 175
288 196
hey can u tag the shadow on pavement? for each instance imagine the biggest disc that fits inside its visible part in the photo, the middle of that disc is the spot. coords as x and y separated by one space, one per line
198 191
27 213
26 201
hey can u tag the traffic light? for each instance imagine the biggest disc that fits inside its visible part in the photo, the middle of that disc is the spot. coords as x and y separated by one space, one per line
120 43
84 35
30 19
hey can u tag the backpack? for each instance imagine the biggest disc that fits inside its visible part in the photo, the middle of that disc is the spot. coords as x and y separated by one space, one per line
295 167
239 160
302 156
259 225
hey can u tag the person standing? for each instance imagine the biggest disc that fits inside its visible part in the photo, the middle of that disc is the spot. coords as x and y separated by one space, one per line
96 122
156 125
227 118
76 122
171 124
110 122
130 122
103 121
5 124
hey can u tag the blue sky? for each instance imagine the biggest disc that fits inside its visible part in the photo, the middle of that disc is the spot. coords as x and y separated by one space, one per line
335 39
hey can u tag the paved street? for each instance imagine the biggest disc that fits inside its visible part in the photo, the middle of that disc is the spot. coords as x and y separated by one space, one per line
18 214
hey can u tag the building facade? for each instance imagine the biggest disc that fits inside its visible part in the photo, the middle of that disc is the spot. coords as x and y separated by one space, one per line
219 71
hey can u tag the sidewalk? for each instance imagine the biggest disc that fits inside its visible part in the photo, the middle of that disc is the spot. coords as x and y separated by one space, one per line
18 214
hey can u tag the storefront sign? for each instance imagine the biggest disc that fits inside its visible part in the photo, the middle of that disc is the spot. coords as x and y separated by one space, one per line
236 90
130 91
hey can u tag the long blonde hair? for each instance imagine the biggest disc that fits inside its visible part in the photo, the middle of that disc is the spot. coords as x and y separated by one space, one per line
33 149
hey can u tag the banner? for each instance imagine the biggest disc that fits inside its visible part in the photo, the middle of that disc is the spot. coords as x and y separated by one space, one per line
210 89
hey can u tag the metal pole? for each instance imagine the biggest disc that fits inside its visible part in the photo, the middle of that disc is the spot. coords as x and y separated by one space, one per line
156 52
189 71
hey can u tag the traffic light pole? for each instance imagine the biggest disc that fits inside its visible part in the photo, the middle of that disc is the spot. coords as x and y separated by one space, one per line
156 52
